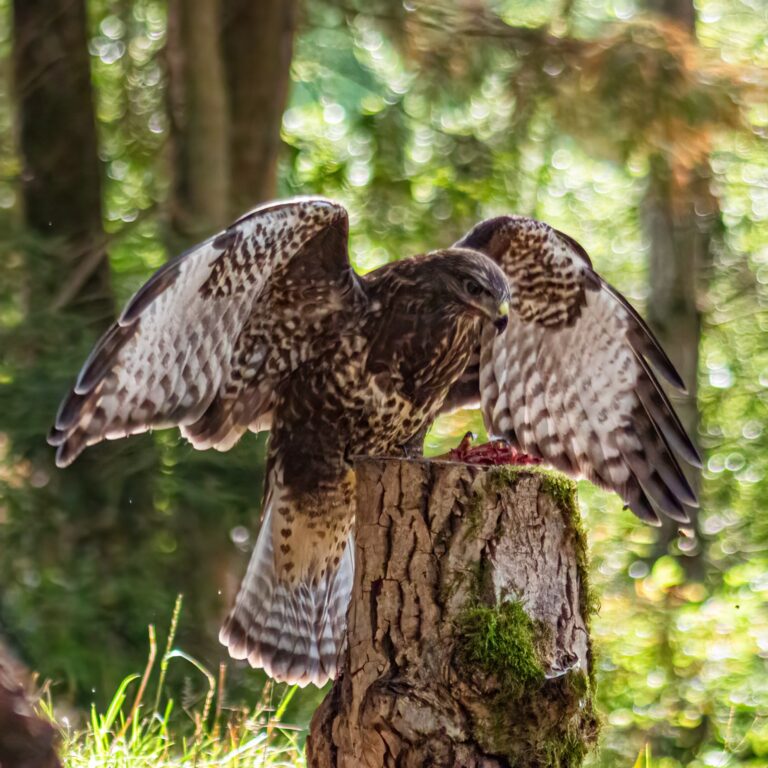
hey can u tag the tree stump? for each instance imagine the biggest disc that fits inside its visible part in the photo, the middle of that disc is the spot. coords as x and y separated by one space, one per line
468 634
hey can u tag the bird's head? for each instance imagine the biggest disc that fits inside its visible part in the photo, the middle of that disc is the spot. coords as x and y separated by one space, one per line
471 282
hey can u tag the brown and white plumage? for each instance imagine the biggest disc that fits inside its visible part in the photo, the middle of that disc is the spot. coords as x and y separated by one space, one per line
571 379
267 326
208 331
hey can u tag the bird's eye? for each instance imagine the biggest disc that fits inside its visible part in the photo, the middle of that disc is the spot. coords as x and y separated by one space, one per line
473 288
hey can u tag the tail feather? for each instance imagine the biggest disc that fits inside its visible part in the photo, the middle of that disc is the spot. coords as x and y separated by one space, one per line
294 631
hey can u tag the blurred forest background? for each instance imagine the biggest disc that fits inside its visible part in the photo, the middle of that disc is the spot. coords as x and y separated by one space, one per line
130 129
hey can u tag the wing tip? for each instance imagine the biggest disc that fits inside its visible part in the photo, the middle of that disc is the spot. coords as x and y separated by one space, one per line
646 513
55 436
62 435
636 500
103 355
682 444
66 453
678 383
681 516
694 458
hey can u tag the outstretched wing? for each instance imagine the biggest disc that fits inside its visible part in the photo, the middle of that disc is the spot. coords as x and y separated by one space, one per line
570 380
204 343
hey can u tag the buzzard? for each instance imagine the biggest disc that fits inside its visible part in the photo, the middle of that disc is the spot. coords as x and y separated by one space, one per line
267 327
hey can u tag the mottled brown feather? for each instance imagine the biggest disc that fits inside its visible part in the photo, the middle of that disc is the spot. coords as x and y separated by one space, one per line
569 381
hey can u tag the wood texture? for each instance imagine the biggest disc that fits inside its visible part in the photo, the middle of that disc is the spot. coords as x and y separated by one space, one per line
435 540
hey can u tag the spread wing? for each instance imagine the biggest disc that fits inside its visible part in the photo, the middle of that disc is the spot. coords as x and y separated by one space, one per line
571 379
205 342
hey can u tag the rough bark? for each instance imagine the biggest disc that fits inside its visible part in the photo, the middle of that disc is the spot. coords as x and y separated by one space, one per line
60 180
257 45
199 125
468 626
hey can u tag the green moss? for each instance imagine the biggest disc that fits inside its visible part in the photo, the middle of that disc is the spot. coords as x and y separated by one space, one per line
566 752
556 484
498 646
500 641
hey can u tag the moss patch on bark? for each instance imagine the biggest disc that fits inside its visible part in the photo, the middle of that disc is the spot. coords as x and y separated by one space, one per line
500 640
497 647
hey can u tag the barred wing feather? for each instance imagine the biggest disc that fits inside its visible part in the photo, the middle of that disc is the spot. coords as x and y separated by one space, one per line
194 345
571 379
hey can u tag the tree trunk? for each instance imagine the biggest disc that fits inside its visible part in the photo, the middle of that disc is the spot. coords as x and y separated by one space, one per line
679 214
88 510
257 43
679 223
61 177
681 12
198 112
468 626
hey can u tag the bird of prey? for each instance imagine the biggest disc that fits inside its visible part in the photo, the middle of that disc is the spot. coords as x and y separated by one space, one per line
266 326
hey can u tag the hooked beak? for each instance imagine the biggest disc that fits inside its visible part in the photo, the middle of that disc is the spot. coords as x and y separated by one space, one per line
502 317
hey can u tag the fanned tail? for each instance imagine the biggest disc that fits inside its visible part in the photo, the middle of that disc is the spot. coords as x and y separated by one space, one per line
293 629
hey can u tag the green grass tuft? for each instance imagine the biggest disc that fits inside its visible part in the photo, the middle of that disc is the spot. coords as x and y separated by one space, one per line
133 733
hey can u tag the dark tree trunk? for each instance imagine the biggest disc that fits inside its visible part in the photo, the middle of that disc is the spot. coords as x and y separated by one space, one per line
679 222
61 189
680 214
228 65
26 740
468 641
682 12
90 506
229 73
199 123
257 43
